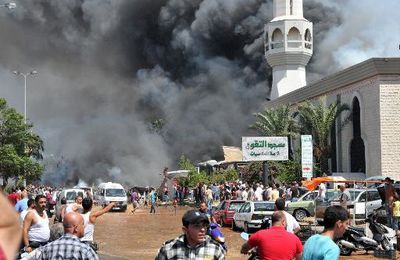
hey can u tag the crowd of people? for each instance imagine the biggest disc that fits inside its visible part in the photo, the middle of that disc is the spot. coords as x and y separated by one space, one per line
24 210
24 216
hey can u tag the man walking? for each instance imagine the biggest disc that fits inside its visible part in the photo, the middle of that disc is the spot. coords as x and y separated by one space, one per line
22 204
36 231
322 246
275 243
68 246
153 199
292 225
194 243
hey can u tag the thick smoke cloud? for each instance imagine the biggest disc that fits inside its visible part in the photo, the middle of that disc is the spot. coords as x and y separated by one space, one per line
108 69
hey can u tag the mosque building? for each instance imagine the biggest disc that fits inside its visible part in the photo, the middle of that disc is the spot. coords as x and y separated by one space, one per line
370 143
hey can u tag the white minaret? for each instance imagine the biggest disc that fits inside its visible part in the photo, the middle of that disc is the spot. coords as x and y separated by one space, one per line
288 46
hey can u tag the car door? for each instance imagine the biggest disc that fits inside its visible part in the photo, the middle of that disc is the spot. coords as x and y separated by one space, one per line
241 216
220 210
373 201
247 213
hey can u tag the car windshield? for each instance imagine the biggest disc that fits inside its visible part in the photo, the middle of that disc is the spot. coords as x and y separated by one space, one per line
71 195
235 206
115 193
353 194
266 206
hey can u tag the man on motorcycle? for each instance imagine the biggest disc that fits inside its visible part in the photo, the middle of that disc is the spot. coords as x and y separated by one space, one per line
275 243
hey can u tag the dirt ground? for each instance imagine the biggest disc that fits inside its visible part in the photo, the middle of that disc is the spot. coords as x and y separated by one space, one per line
140 235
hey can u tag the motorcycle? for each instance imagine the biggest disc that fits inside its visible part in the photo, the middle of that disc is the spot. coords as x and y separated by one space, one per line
253 254
375 236
216 234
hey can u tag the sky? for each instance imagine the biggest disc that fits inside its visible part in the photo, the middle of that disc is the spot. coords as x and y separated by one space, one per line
108 69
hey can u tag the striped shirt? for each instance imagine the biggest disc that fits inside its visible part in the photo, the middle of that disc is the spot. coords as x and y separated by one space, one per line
178 249
66 247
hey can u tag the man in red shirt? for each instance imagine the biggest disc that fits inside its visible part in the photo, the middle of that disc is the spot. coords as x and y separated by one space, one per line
275 243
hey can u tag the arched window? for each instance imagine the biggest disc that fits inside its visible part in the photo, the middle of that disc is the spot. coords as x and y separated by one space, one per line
277 39
308 39
266 41
307 36
294 38
357 148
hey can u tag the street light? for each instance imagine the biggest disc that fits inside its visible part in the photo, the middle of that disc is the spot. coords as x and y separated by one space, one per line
17 73
10 5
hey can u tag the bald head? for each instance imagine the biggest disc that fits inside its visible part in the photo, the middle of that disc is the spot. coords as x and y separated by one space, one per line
73 224
278 219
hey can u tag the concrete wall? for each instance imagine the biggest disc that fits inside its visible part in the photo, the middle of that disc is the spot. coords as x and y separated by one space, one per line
367 93
390 129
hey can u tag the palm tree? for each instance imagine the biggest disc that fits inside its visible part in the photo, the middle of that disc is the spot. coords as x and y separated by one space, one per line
275 122
318 119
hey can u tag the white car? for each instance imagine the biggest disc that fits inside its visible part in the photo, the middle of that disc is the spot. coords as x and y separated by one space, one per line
251 214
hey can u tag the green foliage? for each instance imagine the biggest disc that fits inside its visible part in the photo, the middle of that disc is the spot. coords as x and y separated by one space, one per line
318 120
285 171
19 147
275 122
252 172
224 175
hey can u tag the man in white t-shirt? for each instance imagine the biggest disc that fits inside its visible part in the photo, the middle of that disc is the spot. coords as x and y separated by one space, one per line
292 224
322 192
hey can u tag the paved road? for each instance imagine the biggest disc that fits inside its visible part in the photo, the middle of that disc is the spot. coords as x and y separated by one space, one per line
140 235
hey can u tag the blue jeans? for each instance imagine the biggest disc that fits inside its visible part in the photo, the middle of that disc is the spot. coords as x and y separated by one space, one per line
395 223
389 214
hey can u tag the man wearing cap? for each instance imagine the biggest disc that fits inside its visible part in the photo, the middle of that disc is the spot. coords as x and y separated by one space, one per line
194 242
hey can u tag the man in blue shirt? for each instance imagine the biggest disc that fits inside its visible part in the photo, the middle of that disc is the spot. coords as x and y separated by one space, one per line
322 246
22 204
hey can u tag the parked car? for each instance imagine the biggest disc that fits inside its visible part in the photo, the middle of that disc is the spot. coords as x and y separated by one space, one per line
367 199
69 195
251 214
224 212
305 205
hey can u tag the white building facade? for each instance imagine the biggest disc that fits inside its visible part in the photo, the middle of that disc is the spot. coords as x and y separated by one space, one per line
370 143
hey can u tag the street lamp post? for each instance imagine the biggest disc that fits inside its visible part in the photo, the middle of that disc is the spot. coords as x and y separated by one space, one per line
25 75
10 5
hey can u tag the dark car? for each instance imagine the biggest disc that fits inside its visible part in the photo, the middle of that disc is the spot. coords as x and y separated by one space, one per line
224 212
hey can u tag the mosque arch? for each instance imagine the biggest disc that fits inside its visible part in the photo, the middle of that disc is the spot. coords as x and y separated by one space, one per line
294 38
308 39
357 147
294 34
266 41
277 39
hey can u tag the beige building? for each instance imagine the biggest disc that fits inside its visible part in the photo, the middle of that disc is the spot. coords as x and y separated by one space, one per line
370 143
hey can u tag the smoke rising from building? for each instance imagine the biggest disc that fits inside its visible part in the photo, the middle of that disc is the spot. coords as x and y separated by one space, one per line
109 69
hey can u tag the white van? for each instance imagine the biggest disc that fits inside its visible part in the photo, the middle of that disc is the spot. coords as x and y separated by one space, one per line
112 192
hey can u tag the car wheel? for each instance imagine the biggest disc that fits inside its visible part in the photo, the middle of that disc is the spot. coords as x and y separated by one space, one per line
246 228
234 227
300 214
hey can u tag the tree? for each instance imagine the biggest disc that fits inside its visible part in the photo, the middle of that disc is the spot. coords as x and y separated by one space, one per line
318 119
20 148
279 122
275 122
